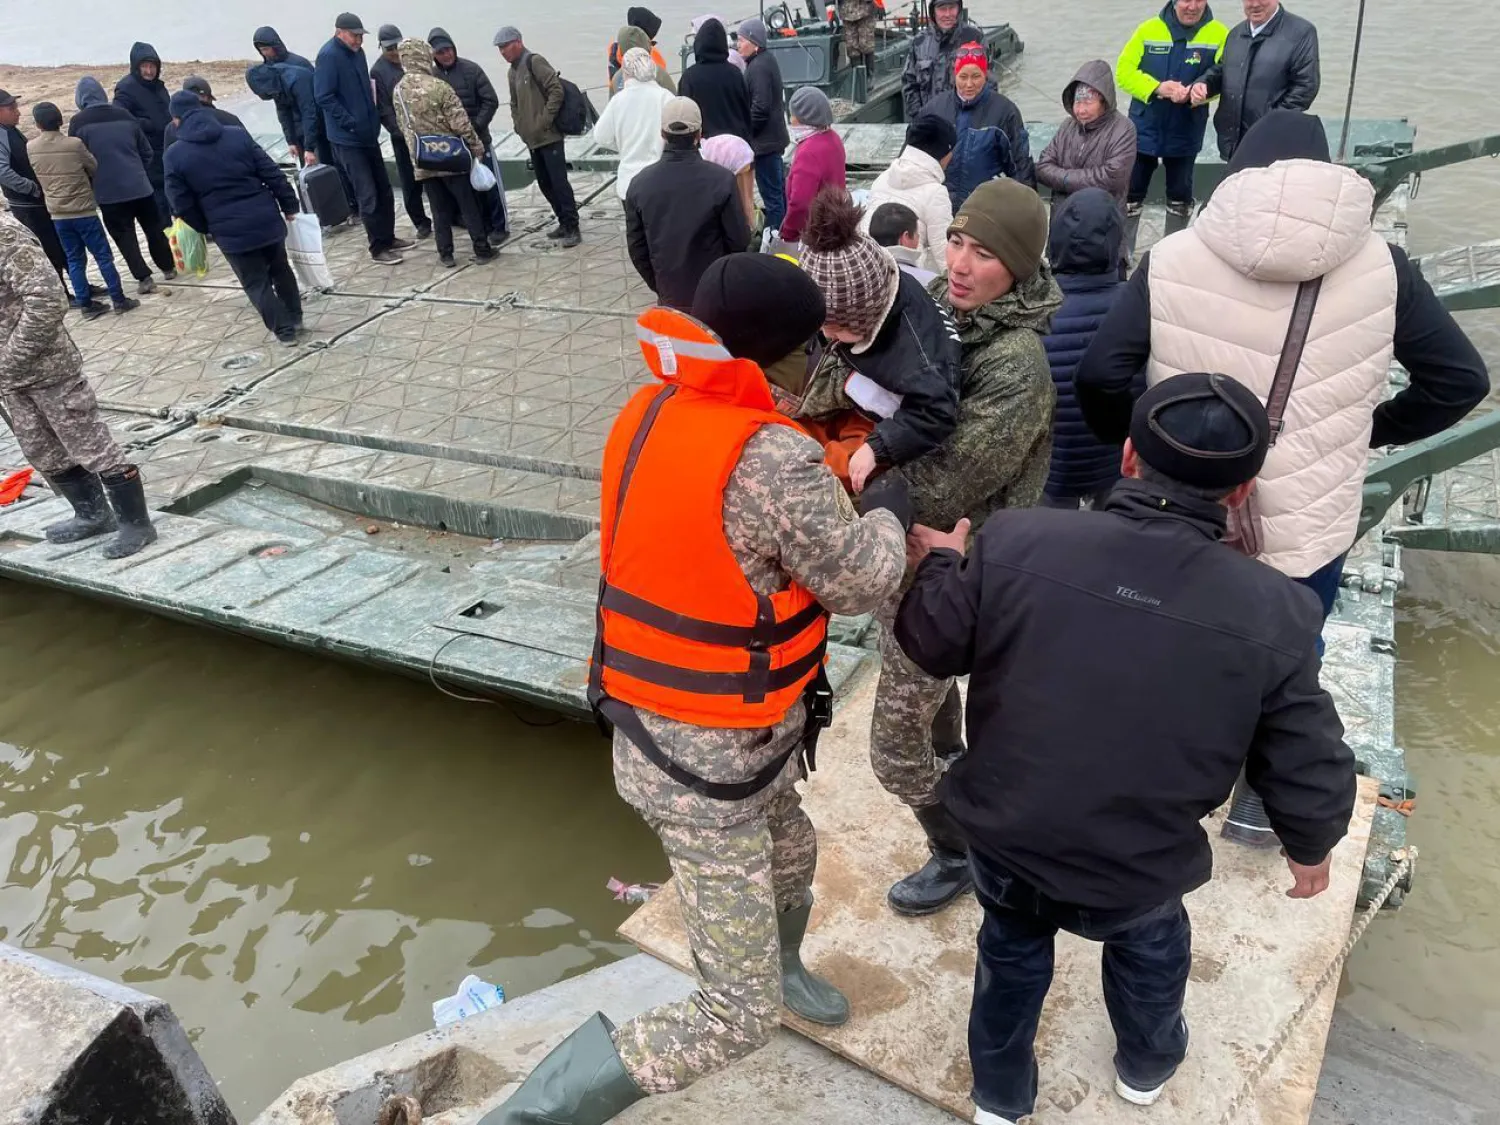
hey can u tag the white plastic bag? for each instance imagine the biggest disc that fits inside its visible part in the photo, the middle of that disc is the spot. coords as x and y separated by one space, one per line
304 246
481 179
473 996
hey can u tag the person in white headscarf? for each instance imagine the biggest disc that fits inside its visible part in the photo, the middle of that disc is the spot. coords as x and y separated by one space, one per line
631 122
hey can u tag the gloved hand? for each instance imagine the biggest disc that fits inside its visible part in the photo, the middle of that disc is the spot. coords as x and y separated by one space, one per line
889 491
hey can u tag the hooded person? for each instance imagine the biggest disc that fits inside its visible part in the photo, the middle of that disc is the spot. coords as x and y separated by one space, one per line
695 25
990 137
633 38
469 81
929 63
1084 247
631 123
817 162
122 185
198 85
1219 297
1095 144
715 84
269 46
915 179
886 391
715 504
768 132
648 24
385 72
143 95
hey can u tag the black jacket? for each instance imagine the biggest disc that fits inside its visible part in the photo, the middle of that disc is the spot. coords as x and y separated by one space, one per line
1277 69
768 131
222 116
115 138
917 355
1448 375
296 105
471 84
682 214
716 84
385 74
147 103
929 63
1124 666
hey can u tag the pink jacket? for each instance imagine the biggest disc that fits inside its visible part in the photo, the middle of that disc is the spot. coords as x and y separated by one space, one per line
819 160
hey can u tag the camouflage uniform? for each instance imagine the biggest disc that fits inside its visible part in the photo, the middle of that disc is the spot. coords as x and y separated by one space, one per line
859 27
427 106
997 457
50 405
738 863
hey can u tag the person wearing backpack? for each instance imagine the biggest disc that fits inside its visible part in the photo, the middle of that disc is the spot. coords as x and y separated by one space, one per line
536 99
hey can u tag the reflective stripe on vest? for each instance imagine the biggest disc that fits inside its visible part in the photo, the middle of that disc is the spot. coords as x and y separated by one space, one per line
681 632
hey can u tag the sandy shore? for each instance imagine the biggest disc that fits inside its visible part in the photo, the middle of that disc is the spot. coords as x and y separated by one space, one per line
56 84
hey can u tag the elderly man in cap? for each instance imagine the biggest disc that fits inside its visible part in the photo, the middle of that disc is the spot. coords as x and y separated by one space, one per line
386 72
536 98
1124 667
351 121
1001 296
682 213
768 132
719 511
205 92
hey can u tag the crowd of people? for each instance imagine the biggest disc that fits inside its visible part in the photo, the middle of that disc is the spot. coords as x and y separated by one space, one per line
949 407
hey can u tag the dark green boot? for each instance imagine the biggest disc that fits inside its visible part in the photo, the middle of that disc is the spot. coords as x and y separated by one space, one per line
91 514
582 1082
128 499
809 996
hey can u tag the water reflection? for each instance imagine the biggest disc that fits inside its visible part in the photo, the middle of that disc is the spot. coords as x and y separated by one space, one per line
299 856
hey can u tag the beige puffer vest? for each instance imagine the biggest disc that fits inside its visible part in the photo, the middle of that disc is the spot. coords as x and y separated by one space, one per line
1221 300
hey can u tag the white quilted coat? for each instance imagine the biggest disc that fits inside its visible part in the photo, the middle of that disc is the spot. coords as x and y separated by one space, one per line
1221 300
916 179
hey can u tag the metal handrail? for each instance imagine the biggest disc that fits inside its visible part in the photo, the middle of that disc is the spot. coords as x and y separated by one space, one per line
1390 478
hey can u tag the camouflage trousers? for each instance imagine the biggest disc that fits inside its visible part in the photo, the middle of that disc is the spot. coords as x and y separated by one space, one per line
731 883
859 29
59 426
910 716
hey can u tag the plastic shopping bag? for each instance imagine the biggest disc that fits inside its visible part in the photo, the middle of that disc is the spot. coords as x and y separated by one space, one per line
473 996
481 179
189 249
304 248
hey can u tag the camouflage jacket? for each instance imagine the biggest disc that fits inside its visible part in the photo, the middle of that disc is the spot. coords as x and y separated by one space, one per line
786 517
35 348
427 106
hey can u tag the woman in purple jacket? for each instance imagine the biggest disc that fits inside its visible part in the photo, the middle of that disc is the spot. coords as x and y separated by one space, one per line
818 161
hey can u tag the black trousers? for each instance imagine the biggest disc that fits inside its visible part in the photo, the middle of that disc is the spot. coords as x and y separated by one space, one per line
326 155
1179 177
270 284
121 220
39 222
551 167
372 188
451 197
411 191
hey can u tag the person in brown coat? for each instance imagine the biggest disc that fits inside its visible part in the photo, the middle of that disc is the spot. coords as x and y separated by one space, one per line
1095 145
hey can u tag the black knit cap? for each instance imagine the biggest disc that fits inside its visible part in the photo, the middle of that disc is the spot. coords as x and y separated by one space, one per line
932 134
1203 430
1282 134
47 116
763 307
645 19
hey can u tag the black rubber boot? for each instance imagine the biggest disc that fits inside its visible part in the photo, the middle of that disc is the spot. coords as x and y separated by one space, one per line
91 513
943 877
869 68
557 232
948 726
128 499
803 992
582 1082
572 238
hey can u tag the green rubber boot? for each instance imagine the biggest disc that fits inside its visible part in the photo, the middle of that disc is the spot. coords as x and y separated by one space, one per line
582 1082
809 996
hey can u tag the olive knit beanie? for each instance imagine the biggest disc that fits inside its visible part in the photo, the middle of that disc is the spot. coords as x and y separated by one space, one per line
1009 220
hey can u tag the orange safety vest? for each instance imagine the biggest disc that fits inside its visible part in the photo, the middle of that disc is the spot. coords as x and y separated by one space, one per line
615 59
681 633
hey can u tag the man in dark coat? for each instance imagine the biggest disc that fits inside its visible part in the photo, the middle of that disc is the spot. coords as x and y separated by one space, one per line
929 63
341 83
144 96
205 92
22 190
481 103
1084 248
1124 668
296 105
682 213
1270 61
386 72
716 84
768 132
122 186
222 183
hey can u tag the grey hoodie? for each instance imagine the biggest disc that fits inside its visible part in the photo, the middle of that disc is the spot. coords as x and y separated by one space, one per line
117 141
1100 154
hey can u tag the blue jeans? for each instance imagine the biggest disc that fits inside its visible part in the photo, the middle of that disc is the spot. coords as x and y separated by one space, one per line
770 180
1325 583
1147 958
81 236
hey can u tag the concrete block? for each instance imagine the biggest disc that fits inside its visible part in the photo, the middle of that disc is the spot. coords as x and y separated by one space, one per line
78 1050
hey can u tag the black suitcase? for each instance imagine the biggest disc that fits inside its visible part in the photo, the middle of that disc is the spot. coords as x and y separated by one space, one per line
323 195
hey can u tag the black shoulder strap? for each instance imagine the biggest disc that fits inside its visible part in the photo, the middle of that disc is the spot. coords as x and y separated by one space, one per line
1291 354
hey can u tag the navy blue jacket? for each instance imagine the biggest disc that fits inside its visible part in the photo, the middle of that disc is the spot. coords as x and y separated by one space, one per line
1162 127
1084 249
341 83
147 103
115 138
992 141
291 88
220 182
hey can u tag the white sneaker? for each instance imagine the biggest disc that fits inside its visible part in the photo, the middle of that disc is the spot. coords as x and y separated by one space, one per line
1137 1097
985 1117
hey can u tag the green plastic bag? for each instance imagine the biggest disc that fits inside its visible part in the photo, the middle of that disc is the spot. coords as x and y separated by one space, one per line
189 249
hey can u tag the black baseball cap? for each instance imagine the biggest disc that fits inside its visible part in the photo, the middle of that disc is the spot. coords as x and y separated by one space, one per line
199 85
1202 429
7 98
350 22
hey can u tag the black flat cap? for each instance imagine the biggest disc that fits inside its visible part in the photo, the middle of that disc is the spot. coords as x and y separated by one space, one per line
1201 429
